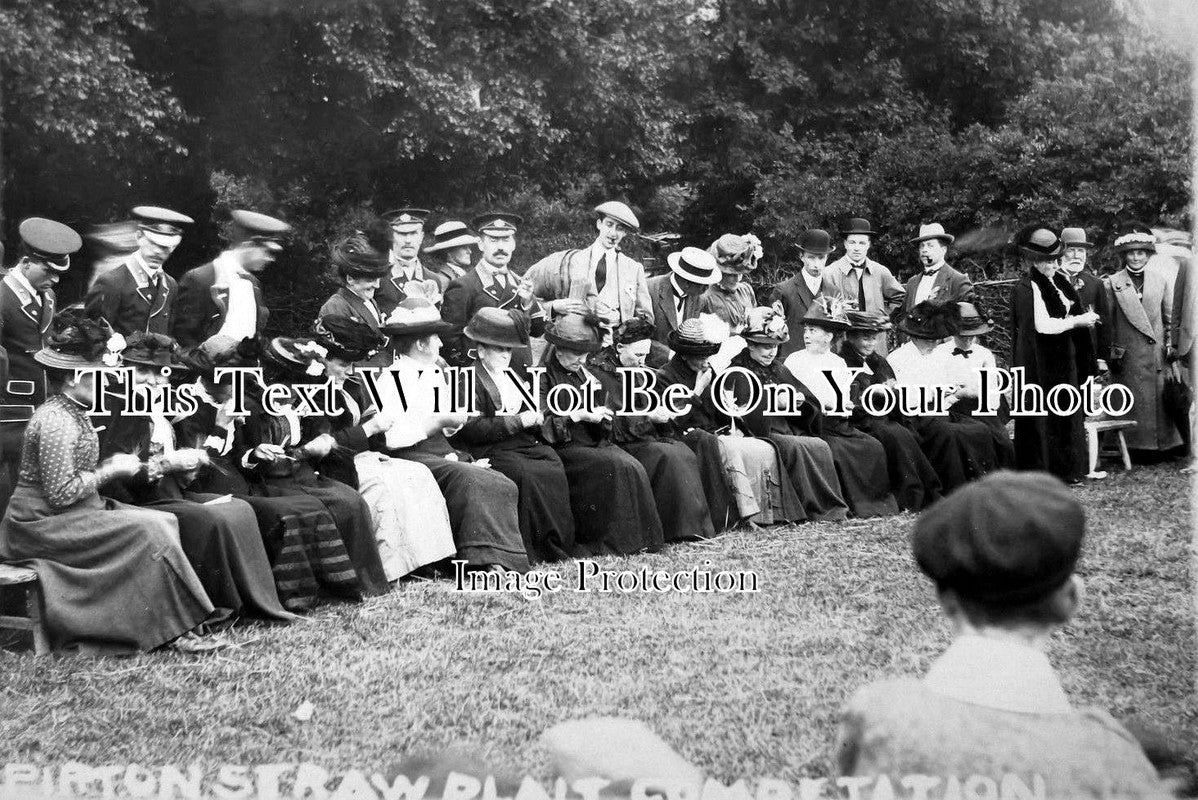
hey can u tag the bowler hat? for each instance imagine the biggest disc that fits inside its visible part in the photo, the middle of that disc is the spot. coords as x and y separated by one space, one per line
346 338
1038 243
971 323
930 320
694 265
582 333
449 235
1075 237
415 316
50 242
620 212
689 339
1007 539
933 231
766 326
498 328
815 241
867 321
858 226
1135 236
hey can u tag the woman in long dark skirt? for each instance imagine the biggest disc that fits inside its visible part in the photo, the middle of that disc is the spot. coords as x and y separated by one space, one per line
512 440
221 539
610 493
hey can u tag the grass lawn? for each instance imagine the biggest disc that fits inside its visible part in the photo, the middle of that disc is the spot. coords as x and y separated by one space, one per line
744 685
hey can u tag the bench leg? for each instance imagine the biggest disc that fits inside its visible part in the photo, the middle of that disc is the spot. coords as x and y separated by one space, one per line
1092 446
33 608
1123 452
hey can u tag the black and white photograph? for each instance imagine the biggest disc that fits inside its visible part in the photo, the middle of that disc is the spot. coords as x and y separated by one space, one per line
598 399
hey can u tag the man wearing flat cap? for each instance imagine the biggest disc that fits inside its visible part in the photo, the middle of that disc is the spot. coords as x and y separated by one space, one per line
224 296
599 275
864 283
491 284
936 280
139 295
457 246
407 277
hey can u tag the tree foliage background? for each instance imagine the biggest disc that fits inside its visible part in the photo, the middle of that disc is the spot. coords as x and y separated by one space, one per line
707 115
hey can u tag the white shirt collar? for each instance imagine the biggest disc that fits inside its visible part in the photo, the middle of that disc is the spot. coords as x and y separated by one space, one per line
147 273
598 251
814 282
23 282
939 265
998 673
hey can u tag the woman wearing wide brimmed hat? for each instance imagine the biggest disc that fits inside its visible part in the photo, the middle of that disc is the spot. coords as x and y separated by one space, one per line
677 474
806 457
610 493
360 261
914 482
307 554
510 435
222 541
483 503
752 489
1136 340
112 582
860 459
1050 340
732 297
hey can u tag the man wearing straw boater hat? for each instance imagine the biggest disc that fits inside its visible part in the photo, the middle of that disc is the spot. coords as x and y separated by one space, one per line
140 296
865 284
936 280
675 297
224 296
798 292
457 245
599 275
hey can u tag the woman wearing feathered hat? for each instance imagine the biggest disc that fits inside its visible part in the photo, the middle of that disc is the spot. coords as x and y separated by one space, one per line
732 297
1050 340
222 541
679 479
752 491
610 494
861 461
913 480
308 557
112 582
513 439
1138 338
360 261
807 458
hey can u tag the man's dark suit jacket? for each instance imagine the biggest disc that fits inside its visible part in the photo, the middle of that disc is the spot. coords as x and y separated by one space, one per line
950 286
23 324
795 299
116 297
202 305
466 295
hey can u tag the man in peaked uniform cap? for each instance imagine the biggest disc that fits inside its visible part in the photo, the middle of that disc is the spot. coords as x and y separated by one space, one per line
598 275
936 280
864 283
224 296
491 284
407 275
139 295
457 246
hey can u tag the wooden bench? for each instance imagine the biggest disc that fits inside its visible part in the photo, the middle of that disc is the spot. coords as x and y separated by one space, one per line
26 581
1094 430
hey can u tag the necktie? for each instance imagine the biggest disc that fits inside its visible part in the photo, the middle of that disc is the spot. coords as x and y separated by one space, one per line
931 272
957 351
601 272
679 306
861 289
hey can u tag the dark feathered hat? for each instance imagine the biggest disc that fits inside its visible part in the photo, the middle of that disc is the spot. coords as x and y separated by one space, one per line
354 256
634 330
930 320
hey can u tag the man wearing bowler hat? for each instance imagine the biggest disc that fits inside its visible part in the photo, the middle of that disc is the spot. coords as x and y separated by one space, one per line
599 275
139 295
864 283
224 296
798 292
491 284
675 296
936 280
407 277
457 245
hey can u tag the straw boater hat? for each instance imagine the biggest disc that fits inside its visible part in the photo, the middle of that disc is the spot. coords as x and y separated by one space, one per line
867 321
620 212
415 316
1076 237
689 339
971 321
582 333
77 342
694 265
930 320
766 326
1135 236
449 235
827 313
815 241
736 254
858 226
345 338
498 328
1038 243
933 231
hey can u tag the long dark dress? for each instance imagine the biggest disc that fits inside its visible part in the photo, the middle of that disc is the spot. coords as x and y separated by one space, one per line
610 493
753 481
806 457
115 581
674 471
1051 442
522 455
913 480
221 540
306 553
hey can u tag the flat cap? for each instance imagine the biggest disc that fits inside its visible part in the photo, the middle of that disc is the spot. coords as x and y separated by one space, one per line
1006 539
255 224
620 212
49 241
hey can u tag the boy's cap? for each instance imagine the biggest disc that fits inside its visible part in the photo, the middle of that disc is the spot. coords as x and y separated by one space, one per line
1007 539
